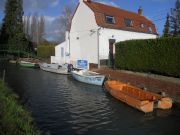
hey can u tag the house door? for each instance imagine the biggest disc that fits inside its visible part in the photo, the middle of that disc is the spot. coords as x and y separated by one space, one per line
111 53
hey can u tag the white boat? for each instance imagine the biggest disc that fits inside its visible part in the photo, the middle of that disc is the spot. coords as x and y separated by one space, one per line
89 77
55 68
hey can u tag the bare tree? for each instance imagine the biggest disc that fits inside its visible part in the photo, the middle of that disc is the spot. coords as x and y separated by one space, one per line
34 22
41 30
26 25
65 20
34 28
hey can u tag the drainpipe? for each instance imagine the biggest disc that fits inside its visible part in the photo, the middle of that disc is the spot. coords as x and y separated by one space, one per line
98 46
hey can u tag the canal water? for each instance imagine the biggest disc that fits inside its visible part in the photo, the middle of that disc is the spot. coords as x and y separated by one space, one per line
63 106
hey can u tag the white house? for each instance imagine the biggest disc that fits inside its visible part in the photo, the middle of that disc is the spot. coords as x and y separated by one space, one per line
95 27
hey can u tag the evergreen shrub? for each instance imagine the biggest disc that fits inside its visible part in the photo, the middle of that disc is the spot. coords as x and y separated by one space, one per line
160 56
45 51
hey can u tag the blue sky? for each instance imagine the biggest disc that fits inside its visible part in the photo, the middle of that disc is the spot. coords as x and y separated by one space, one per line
155 10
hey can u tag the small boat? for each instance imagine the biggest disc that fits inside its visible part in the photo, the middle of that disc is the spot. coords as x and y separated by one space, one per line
55 68
140 99
28 64
12 61
89 77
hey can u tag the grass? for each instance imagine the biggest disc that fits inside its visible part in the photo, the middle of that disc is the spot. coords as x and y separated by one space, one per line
14 119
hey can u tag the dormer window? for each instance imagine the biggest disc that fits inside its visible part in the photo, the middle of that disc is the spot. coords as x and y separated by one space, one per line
110 19
142 25
128 22
150 29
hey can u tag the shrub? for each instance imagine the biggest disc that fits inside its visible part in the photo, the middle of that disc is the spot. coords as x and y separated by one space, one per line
161 56
45 51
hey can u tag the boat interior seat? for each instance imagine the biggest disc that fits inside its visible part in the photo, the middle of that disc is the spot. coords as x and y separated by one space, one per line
137 93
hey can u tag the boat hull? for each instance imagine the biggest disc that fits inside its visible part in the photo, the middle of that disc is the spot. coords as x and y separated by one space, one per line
142 100
28 64
63 71
94 79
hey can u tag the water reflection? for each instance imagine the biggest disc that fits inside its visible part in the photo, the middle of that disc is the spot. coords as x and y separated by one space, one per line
61 105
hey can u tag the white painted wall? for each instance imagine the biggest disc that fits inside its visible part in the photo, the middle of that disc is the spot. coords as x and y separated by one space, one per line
118 35
59 57
83 35
83 39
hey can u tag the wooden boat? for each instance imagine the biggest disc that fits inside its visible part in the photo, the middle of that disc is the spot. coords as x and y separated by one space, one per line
28 64
55 68
89 77
142 100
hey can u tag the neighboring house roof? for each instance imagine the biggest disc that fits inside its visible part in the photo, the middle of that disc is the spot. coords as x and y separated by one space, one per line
140 23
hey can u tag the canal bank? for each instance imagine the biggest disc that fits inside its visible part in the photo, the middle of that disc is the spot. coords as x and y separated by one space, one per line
14 119
151 82
61 105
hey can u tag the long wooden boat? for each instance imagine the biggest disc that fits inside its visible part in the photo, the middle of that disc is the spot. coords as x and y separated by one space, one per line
89 77
55 68
28 64
142 100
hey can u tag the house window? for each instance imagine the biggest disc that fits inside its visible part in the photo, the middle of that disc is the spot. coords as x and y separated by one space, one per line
110 19
62 52
142 25
128 22
150 29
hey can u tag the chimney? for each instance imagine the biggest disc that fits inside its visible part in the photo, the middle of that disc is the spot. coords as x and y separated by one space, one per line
140 11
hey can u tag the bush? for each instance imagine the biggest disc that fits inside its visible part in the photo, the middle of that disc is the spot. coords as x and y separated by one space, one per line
161 56
45 51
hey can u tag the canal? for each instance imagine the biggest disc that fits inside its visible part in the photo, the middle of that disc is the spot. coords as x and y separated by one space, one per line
61 105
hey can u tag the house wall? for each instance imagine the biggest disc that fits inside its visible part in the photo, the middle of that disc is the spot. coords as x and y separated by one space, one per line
118 35
83 35
59 57
82 41
61 54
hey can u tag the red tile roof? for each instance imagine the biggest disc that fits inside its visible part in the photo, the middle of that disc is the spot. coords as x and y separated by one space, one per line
100 10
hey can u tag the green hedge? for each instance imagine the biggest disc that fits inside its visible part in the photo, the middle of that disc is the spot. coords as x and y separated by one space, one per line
161 56
45 51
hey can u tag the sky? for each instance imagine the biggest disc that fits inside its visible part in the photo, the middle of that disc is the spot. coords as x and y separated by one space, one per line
155 10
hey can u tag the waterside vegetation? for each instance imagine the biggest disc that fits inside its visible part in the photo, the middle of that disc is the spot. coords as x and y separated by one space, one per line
14 119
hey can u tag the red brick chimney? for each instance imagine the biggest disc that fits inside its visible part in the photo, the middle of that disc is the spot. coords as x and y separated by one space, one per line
140 10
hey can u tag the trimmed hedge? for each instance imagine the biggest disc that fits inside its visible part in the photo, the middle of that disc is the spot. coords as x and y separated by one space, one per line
160 56
45 51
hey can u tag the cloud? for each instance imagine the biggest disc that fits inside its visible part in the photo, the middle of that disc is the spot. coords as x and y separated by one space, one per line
34 5
52 28
107 2
2 3
38 5
55 3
